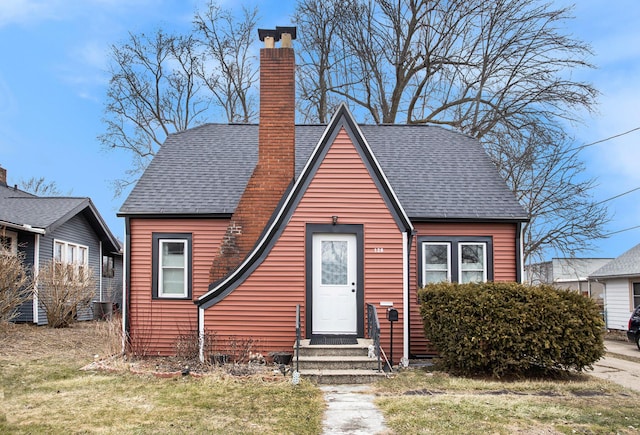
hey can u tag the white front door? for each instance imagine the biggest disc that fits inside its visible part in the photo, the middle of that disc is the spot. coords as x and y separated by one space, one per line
334 284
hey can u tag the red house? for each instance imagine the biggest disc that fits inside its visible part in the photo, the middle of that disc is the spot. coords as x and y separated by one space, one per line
232 226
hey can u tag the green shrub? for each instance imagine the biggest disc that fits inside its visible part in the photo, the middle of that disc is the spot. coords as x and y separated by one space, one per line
510 329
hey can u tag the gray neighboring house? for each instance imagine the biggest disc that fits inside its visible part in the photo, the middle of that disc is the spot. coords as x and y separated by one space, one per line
621 280
71 229
569 273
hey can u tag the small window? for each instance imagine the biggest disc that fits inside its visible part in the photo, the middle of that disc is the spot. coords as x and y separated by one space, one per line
107 266
636 294
9 241
172 266
437 261
472 262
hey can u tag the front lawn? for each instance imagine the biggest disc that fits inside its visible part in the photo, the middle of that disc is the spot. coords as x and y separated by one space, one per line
46 392
419 402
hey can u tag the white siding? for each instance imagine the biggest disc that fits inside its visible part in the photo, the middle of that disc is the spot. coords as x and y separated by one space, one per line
617 303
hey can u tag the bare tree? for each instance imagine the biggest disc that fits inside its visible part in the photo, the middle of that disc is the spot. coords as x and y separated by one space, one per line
153 91
497 70
319 54
546 174
228 67
468 64
40 187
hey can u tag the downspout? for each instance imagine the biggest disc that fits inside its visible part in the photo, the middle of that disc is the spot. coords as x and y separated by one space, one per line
36 271
519 252
101 270
126 279
201 333
405 299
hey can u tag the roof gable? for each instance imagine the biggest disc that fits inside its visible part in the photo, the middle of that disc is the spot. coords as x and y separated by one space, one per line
627 264
25 211
342 120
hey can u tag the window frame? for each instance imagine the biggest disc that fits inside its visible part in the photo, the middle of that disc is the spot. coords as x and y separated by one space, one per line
423 264
12 236
76 248
108 266
460 268
634 296
156 282
455 255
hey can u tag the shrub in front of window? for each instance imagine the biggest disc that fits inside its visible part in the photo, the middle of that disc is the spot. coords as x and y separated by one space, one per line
509 329
16 286
62 290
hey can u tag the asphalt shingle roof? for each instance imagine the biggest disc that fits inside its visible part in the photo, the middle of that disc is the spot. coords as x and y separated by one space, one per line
22 208
626 264
18 207
436 173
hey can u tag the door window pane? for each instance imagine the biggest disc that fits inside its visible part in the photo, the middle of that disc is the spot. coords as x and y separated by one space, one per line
334 263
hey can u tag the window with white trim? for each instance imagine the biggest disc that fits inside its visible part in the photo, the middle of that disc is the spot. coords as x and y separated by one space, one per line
9 241
436 264
458 259
636 294
171 265
71 254
472 262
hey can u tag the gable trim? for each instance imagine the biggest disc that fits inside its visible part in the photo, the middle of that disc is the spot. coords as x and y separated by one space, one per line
275 227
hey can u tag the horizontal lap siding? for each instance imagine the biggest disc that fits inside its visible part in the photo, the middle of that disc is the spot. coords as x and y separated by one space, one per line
504 264
263 306
155 324
618 302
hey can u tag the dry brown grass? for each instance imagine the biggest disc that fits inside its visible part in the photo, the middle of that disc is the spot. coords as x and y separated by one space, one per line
24 342
44 391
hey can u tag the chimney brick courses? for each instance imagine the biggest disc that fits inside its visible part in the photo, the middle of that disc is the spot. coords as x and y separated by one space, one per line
275 169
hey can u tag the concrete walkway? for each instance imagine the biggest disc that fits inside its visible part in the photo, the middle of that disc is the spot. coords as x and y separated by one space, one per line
621 364
350 410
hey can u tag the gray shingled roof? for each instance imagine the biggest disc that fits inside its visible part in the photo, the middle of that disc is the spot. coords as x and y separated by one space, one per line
47 213
20 208
436 173
627 264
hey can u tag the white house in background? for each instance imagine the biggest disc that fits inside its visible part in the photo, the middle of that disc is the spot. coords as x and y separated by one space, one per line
571 273
621 280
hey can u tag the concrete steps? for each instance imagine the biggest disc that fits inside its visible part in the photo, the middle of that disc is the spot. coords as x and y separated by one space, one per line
339 364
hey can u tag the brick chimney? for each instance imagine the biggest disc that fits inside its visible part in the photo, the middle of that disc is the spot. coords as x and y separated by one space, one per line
276 152
3 176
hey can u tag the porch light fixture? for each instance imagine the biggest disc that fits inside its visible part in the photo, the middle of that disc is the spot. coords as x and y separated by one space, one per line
334 219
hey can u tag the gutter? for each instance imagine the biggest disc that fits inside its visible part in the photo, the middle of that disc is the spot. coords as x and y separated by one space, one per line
23 227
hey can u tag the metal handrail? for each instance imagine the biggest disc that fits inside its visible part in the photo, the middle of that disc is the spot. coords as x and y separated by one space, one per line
373 331
298 333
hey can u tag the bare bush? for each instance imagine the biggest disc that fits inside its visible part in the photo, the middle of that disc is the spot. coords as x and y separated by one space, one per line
111 335
63 289
16 285
187 344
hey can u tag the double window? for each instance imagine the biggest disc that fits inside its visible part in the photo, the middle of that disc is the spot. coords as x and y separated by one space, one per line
172 265
457 259
73 255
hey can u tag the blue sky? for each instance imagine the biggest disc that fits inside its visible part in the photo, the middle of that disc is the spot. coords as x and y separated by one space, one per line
53 82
